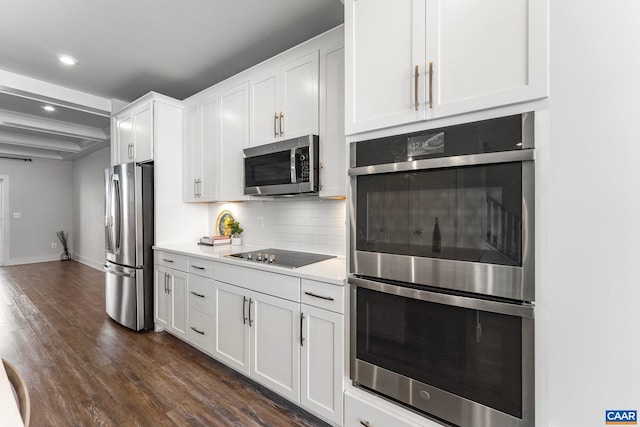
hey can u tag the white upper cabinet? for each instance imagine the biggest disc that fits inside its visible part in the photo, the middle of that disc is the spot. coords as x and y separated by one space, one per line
200 149
136 128
233 135
134 134
284 99
437 58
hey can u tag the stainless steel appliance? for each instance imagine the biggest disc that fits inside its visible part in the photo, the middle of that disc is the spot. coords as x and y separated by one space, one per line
442 271
128 240
450 208
287 167
281 258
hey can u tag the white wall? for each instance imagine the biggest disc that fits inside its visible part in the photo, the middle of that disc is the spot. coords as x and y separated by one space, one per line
591 291
88 207
307 224
41 192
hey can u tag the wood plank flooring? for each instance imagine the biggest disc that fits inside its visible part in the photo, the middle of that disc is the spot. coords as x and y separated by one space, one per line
83 369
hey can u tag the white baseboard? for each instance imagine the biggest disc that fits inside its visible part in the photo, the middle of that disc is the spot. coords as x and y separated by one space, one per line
33 260
88 261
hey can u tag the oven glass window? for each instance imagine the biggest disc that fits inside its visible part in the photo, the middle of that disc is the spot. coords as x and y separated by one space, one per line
470 213
473 354
268 169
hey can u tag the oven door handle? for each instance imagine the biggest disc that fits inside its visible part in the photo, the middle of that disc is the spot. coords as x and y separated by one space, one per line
447 162
512 309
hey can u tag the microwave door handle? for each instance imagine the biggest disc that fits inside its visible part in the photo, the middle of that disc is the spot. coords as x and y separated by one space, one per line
293 165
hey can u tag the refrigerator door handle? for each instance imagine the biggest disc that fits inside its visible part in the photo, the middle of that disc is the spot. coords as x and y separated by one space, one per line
117 273
118 212
108 219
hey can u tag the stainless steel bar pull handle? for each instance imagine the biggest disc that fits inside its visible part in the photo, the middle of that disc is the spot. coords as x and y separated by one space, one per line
301 330
197 294
167 260
365 423
166 283
281 123
311 294
197 267
197 331
195 187
430 84
275 120
415 88
250 320
244 310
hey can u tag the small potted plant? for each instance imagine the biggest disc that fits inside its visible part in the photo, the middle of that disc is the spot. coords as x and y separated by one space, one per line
234 230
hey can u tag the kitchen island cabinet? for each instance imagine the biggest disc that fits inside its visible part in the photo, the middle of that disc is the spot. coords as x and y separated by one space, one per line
440 58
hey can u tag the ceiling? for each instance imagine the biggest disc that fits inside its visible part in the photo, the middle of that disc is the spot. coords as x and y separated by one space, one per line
125 49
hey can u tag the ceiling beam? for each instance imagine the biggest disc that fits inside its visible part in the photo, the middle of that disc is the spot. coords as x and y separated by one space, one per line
36 142
39 89
38 124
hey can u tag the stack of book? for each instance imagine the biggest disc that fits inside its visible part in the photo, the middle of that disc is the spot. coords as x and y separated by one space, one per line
215 240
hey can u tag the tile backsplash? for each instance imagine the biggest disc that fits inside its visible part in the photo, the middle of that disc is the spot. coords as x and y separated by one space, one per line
308 224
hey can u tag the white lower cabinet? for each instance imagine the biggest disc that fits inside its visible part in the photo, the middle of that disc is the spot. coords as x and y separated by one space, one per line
322 362
200 331
257 335
359 412
171 301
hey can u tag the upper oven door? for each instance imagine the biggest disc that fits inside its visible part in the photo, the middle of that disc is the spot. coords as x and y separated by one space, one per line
463 222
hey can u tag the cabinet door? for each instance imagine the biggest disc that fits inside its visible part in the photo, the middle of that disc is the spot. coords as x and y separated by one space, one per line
208 185
178 303
264 107
191 152
359 412
485 54
275 344
161 298
299 103
322 365
231 326
233 137
385 42
124 128
333 150
143 130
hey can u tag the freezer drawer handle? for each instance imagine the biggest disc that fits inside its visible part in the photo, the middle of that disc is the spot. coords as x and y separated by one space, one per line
195 330
197 294
118 273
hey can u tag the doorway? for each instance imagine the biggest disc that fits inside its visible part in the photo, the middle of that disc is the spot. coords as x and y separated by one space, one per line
4 206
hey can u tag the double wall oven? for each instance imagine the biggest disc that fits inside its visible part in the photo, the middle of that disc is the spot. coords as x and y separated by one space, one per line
442 270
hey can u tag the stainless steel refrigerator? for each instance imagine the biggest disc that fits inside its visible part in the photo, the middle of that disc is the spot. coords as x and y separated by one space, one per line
128 225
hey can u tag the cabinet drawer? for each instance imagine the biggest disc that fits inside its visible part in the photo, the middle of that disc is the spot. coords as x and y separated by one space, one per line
201 267
359 413
278 285
201 294
171 260
322 295
200 331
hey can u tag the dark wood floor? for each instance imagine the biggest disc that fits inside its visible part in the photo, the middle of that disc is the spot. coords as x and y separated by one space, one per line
83 369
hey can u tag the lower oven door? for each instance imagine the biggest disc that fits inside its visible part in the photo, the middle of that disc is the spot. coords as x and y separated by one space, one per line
465 360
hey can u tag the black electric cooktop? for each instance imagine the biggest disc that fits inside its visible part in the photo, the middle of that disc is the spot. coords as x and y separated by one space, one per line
282 258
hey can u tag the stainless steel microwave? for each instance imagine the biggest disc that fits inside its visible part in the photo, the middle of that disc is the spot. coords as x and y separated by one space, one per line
282 168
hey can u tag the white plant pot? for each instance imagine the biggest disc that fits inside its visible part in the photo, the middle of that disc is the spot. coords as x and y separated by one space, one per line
236 241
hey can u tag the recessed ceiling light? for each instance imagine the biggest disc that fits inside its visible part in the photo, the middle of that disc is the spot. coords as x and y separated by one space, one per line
49 108
67 60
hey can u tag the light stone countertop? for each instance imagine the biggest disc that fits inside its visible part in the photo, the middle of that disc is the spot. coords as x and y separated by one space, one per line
333 270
